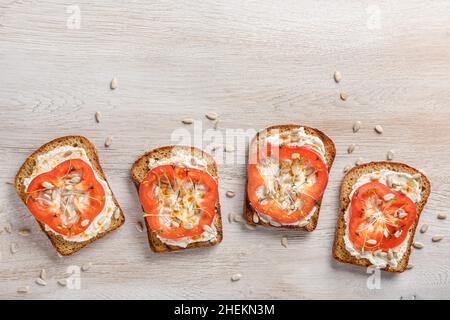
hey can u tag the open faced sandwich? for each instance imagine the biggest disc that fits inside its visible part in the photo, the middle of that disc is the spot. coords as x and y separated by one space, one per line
178 190
380 206
65 189
287 173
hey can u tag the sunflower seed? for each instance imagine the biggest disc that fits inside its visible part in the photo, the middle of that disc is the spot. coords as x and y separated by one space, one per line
43 274
41 282
187 120
255 218
231 217
442 216
371 242
13 248
337 76
424 228
250 227
398 233
228 148
108 141
344 96
238 218
275 223
437 238
62 282
357 126
390 254
236 277
390 155
139 226
25 232
216 124
347 168
418 245
113 84
230 194
409 266
379 129
351 148
359 162
389 197
211 115
23 289
208 229
47 185
86 266
85 222
284 241
98 116
188 226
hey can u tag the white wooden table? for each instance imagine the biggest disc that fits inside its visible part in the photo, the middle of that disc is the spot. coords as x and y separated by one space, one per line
256 63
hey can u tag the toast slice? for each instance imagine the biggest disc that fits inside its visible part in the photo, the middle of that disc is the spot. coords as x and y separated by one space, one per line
339 251
63 246
138 173
330 153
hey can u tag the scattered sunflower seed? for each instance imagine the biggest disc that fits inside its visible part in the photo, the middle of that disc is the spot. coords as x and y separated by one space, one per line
24 289
442 216
228 148
390 155
62 282
344 96
359 162
357 126
250 227
41 282
230 194
418 245
113 84
347 168
98 116
409 266
424 228
337 76
25 232
284 241
43 274
237 218
86 266
231 217
211 115
108 141
9 182
216 124
13 248
379 129
437 238
187 120
139 226
351 148
236 277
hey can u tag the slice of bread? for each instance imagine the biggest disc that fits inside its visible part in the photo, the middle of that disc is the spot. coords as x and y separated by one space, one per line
138 173
330 153
339 251
65 247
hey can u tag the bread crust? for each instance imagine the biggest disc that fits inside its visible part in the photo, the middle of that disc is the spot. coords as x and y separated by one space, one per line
339 251
61 245
140 169
330 154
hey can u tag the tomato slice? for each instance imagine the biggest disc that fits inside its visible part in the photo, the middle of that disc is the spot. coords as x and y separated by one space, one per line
178 201
286 182
380 217
66 199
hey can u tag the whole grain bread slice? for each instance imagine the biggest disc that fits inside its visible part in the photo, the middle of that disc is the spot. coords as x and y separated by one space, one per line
65 247
339 251
138 173
330 153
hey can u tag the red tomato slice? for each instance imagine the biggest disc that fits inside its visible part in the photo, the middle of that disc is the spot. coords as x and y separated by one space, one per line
376 220
68 198
293 185
178 201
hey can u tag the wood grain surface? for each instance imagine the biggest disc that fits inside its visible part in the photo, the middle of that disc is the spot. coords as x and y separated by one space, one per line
256 63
